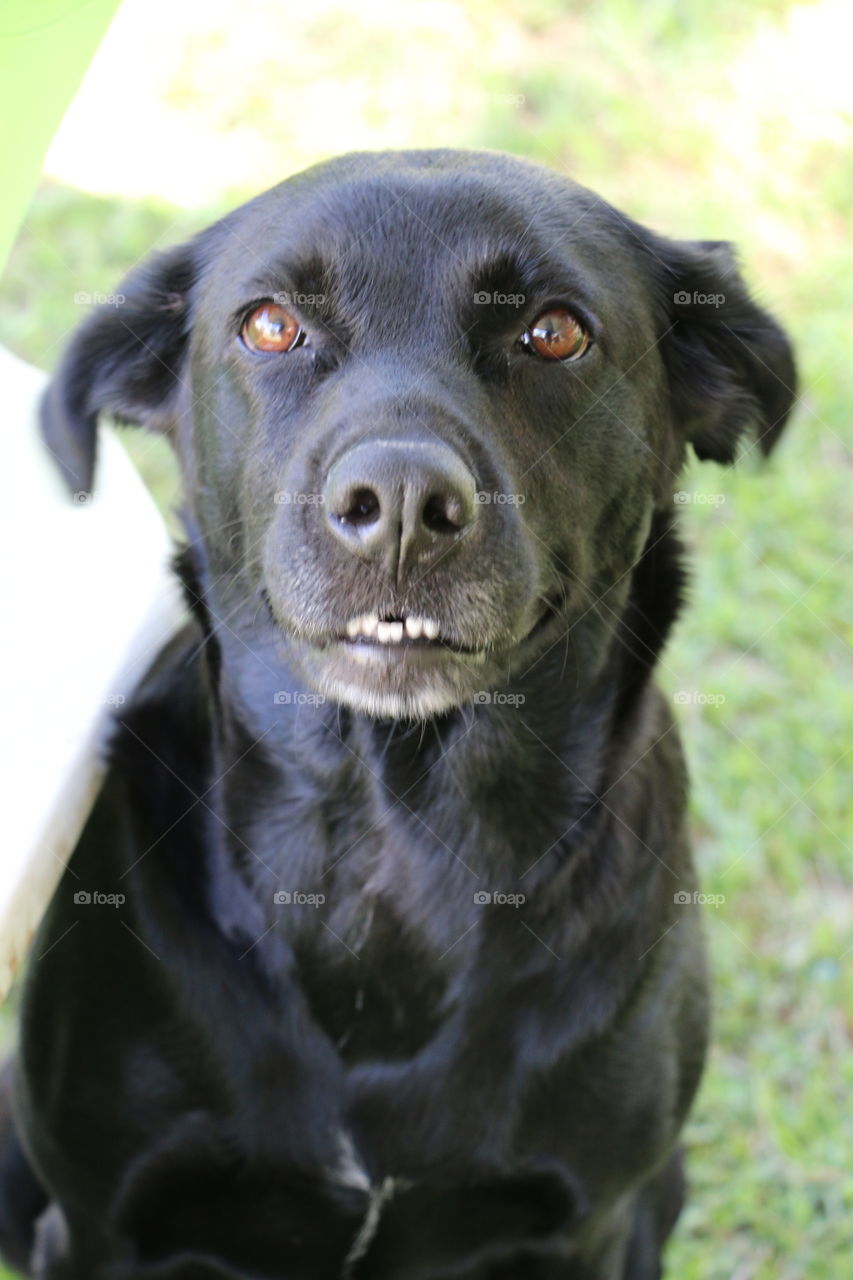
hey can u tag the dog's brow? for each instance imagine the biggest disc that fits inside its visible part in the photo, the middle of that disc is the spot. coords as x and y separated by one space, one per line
532 271
304 273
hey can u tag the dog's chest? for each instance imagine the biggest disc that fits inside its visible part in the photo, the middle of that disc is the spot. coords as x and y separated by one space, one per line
382 957
383 1001
377 961
412 923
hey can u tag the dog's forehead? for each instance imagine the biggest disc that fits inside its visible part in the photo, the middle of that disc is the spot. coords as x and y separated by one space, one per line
412 210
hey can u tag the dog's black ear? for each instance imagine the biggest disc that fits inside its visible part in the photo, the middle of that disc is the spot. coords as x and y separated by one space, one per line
730 366
126 360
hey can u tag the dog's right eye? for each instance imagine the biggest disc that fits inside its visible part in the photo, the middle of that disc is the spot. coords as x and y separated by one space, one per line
269 327
556 334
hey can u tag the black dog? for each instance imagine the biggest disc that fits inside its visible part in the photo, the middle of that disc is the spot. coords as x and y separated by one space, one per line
388 974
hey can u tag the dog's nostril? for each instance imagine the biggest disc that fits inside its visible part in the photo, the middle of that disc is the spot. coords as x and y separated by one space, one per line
363 507
443 513
399 503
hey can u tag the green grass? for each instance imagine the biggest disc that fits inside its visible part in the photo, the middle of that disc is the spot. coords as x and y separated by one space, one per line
680 115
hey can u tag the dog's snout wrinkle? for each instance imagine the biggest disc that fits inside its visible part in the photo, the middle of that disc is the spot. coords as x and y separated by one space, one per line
399 503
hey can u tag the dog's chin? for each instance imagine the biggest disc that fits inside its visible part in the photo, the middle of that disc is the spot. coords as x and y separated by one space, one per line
390 683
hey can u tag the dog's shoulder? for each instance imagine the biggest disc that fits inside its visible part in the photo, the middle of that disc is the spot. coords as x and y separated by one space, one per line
165 726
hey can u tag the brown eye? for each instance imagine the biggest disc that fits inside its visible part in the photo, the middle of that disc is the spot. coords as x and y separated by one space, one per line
557 335
270 328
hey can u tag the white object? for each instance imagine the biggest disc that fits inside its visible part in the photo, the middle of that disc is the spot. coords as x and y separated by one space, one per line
88 600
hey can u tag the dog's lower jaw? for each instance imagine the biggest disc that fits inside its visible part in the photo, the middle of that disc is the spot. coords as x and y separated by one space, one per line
414 681
384 685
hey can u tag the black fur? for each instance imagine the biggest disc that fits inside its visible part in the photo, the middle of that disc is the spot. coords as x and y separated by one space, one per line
400 1082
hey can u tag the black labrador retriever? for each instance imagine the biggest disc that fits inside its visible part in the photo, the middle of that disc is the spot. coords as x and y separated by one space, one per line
379 957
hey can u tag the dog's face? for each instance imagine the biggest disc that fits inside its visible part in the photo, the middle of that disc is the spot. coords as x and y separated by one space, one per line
426 405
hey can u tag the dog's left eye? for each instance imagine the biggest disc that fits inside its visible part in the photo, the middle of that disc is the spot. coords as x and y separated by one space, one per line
556 334
271 328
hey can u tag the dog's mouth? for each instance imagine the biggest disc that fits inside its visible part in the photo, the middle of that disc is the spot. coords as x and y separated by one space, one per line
401 631
405 664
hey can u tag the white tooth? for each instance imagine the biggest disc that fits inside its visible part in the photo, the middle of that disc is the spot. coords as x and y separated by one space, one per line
383 631
369 623
396 631
353 626
430 629
414 628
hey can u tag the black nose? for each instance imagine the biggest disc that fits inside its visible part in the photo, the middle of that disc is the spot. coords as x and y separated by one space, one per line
398 502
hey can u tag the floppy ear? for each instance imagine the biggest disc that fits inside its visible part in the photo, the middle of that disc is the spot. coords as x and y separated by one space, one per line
126 359
730 366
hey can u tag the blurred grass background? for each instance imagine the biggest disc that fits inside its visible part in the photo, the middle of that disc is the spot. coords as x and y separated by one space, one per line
726 121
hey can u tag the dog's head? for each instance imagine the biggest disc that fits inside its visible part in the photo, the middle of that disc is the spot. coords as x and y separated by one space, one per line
426 406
